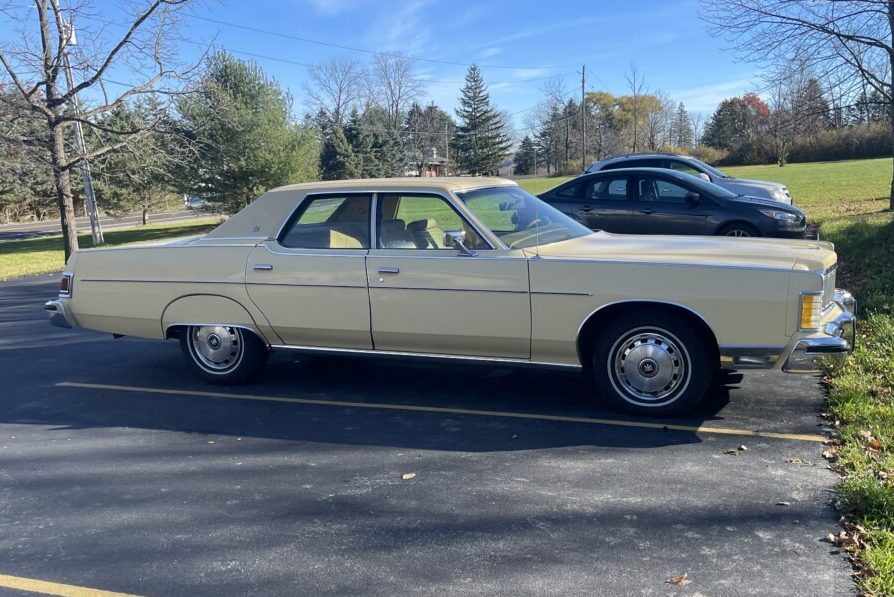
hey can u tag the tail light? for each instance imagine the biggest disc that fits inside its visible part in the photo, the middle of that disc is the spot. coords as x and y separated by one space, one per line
65 283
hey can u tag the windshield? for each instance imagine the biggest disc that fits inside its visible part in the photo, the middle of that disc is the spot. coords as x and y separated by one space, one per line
705 187
520 219
711 169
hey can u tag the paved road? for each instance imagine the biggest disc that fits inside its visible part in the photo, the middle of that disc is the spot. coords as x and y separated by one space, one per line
48 228
189 492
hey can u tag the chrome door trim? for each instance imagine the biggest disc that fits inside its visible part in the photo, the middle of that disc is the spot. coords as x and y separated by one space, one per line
423 355
448 289
299 285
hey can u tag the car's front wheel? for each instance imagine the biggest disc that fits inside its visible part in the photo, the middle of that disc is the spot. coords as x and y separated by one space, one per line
652 364
739 229
223 354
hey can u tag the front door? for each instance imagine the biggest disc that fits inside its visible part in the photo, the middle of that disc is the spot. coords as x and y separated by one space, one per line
661 208
310 282
426 297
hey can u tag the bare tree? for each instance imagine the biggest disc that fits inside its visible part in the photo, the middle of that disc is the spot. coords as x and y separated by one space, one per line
34 66
636 83
392 84
334 87
696 119
847 37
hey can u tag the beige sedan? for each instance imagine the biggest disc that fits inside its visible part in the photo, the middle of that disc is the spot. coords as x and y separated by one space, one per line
468 269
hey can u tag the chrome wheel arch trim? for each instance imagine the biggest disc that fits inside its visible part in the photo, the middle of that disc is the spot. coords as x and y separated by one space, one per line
192 324
652 301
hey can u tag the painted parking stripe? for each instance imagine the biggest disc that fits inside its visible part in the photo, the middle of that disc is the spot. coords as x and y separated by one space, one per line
54 588
452 411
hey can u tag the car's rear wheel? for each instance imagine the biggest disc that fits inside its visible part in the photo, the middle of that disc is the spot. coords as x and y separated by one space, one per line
223 354
739 229
652 364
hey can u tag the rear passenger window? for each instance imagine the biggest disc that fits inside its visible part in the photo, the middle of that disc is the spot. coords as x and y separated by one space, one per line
608 189
329 222
569 192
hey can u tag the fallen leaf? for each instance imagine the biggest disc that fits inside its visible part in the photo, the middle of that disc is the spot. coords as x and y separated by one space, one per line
831 453
864 433
783 503
408 476
875 445
743 448
795 461
681 580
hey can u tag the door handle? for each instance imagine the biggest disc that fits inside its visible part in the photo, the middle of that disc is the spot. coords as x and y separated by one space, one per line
647 211
389 270
263 266
587 208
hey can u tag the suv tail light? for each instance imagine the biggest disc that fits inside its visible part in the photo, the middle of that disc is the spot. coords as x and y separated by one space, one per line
65 285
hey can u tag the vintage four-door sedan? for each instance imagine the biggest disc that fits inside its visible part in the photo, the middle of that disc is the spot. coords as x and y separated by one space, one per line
468 269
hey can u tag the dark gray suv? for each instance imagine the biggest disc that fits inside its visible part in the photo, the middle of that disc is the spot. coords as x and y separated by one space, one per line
661 201
689 165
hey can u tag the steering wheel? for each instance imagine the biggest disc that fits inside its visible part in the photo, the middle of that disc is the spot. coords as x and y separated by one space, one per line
533 223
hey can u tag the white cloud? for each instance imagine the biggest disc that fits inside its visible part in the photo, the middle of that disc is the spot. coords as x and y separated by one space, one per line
706 97
404 30
488 52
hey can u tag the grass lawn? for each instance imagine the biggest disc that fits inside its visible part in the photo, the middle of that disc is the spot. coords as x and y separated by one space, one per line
824 189
45 255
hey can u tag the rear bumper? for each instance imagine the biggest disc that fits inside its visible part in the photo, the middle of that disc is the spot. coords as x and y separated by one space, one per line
58 316
831 345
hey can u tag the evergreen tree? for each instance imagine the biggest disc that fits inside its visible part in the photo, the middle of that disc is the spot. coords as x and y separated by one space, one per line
681 128
242 138
362 146
480 143
524 157
337 161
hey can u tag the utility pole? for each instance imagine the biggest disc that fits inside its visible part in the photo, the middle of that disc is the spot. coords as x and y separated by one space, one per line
446 148
583 118
86 178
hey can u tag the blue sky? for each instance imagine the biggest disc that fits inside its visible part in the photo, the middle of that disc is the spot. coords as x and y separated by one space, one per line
518 44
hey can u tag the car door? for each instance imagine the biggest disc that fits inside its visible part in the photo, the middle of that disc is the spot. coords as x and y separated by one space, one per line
661 208
605 204
427 297
310 282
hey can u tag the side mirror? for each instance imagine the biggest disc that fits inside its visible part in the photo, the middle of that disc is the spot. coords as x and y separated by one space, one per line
692 198
508 205
456 238
704 177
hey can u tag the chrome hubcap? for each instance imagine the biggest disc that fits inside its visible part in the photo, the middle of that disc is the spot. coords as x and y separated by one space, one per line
217 348
650 366
738 232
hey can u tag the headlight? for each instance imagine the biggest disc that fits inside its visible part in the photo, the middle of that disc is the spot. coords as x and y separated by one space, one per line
783 217
811 310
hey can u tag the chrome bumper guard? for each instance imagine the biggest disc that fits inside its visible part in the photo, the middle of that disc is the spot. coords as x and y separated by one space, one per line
832 347
57 314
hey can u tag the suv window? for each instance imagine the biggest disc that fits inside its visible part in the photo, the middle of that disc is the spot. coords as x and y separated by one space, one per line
329 222
657 189
608 189
421 222
684 167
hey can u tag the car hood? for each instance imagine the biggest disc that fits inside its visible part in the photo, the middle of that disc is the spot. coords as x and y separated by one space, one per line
696 250
764 202
762 184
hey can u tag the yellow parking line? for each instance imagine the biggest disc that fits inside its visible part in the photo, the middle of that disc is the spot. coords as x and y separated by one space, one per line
54 588
453 411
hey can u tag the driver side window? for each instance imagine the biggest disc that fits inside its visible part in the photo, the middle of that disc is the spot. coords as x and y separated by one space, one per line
656 189
421 222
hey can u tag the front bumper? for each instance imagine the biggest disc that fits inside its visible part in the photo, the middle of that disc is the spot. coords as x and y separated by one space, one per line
58 317
832 345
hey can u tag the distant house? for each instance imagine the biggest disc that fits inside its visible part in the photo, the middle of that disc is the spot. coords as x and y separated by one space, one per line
430 165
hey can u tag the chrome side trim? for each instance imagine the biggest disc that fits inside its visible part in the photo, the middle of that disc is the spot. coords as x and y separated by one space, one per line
781 270
297 252
109 280
305 285
645 300
561 293
449 289
422 355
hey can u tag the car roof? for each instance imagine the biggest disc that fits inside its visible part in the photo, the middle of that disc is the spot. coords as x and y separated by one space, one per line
443 183
642 155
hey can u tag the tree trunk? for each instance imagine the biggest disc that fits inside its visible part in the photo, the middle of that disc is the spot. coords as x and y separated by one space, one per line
62 184
145 216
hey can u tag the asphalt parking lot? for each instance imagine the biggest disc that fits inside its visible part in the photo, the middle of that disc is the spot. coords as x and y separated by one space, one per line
135 477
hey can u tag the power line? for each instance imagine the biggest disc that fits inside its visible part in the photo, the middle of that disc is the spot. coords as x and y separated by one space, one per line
364 50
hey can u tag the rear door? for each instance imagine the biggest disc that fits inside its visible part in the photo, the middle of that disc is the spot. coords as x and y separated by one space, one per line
605 204
661 208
